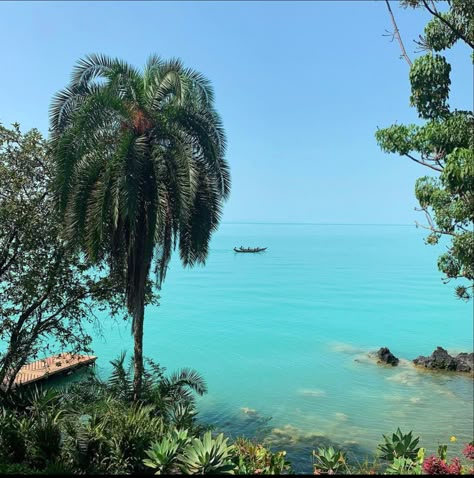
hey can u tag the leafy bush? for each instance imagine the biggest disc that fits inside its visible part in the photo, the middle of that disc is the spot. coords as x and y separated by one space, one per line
255 459
12 437
45 437
404 466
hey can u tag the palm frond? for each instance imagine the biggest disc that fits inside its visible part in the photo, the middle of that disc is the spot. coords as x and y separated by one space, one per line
188 377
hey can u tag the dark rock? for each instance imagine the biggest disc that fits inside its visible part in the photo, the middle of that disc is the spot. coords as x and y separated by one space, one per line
441 360
465 362
384 355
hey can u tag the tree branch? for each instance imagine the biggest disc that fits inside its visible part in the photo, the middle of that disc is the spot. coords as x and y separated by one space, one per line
397 34
423 163
437 231
440 17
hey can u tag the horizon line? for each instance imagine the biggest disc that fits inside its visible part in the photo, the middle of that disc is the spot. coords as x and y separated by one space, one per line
319 223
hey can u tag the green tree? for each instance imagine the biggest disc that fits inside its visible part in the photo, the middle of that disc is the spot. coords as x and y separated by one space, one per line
139 168
445 142
47 293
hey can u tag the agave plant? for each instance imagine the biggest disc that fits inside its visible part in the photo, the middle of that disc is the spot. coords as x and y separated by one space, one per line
164 455
328 460
208 456
399 446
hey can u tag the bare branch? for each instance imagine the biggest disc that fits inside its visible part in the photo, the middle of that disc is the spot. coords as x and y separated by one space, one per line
431 226
437 231
423 163
396 33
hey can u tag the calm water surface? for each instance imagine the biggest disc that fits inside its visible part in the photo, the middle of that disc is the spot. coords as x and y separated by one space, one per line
282 337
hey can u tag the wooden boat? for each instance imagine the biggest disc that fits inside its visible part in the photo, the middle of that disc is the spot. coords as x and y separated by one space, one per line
250 249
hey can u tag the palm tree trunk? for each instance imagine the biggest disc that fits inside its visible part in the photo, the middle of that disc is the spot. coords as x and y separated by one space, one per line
138 320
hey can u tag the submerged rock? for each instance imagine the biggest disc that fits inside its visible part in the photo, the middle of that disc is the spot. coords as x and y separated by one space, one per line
249 411
384 355
441 360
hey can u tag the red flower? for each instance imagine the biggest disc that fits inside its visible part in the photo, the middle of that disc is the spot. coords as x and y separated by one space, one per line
455 467
468 451
434 465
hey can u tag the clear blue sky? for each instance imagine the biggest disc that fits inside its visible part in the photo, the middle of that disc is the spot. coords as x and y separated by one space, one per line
301 87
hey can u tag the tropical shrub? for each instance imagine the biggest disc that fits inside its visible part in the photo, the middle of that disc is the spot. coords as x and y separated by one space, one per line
254 459
407 466
45 436
12 437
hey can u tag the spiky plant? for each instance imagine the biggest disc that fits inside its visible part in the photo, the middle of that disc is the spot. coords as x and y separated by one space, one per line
330 461
139 168
163 456
399 445
208 456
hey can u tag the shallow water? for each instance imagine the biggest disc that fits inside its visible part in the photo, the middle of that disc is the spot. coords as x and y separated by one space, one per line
282 337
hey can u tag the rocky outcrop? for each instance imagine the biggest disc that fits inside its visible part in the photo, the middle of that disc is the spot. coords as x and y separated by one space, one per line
441 360
465 362
385 356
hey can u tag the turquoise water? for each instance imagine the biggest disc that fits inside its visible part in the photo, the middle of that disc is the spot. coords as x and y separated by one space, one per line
282 337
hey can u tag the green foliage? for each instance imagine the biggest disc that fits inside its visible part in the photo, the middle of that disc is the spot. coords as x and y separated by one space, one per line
399 445
47 291
173 396
164 455
16 469
443 451
429 78
45 436
403 466
445 143
253 458
132 430
94 427
208 456
407 466
12 437
330 461
115 436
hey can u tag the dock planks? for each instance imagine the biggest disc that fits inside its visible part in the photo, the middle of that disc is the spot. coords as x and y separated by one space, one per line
56 364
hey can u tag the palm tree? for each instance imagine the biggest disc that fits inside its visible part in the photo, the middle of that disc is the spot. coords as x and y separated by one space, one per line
140 168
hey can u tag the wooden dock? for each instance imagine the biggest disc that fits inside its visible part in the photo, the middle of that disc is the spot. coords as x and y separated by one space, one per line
45 368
